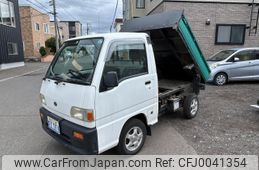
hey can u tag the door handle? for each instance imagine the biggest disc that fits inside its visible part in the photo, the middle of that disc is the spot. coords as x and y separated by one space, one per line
147 82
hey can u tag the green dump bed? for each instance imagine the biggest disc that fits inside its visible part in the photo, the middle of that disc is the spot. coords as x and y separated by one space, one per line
171 35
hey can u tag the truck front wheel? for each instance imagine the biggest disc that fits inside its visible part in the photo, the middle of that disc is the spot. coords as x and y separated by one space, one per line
132 137
191 106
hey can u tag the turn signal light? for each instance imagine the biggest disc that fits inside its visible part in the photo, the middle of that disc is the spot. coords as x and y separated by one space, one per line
90 116
78 135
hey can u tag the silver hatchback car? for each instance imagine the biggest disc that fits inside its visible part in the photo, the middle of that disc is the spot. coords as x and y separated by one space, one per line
234 65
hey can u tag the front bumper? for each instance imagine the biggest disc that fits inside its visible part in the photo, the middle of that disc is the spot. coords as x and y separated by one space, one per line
88 146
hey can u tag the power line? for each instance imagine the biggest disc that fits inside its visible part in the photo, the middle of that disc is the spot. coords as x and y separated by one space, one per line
41 4
68 13
38 6
114 15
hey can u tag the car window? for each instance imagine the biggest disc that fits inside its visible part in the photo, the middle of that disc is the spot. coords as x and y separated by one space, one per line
222 55
257 54
127 59
245 55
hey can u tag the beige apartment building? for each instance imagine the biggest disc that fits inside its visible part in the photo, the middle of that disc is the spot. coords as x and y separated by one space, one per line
216 24
67 29
35 27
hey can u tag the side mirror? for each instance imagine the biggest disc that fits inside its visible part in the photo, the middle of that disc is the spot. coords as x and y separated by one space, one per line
111 79
236 59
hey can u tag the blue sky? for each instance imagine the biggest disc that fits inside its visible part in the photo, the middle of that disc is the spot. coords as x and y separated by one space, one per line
98 13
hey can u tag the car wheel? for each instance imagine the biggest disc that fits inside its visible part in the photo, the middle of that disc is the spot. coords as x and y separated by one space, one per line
191 106
132 137
258 102
220 79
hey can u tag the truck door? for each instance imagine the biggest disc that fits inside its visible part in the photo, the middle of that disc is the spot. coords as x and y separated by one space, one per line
135 91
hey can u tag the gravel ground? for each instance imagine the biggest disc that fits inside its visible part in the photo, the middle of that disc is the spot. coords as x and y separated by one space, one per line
226 123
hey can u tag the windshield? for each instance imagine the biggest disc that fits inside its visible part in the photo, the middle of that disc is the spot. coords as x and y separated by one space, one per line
222 55
75 63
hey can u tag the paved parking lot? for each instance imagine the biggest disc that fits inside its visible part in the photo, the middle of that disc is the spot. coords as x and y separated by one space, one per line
226 123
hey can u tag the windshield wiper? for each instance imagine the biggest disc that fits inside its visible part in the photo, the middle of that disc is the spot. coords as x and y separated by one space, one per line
77 81
57 78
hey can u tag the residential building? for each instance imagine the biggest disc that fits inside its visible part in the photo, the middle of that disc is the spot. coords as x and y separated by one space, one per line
11 49
117 24
35 30
67 29
216 24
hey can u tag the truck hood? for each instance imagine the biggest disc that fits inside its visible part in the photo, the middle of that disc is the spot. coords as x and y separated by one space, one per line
171 33
61 97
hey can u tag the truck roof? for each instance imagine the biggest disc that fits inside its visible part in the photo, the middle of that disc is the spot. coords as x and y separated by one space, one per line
112 36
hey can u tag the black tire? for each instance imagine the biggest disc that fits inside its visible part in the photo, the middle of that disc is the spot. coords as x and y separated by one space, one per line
132 123
191 106
258 102
220 79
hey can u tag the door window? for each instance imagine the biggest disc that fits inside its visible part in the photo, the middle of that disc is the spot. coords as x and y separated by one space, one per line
127 60
245 56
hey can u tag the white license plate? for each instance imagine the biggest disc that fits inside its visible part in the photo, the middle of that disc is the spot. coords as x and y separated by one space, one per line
53 125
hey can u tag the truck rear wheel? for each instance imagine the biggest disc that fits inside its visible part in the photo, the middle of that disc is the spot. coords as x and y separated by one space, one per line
191 106
132 138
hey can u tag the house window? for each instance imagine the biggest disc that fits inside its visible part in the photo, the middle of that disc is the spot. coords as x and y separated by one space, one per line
72 28
12 48
46 28
7 14
37 45
37 26
140 4
230 34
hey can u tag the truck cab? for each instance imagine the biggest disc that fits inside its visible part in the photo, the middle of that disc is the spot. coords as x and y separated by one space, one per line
107 90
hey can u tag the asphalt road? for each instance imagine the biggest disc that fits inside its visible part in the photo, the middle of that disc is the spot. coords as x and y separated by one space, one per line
225 125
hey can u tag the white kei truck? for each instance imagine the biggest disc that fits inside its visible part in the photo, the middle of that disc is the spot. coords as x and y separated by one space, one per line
107 90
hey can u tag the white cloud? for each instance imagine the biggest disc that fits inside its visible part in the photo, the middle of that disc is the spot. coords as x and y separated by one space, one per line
98 13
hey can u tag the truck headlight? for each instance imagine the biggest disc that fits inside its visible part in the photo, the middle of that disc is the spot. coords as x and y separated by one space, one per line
42 99
82 114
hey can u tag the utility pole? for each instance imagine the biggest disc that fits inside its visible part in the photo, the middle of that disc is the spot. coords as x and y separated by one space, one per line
53 3
87 29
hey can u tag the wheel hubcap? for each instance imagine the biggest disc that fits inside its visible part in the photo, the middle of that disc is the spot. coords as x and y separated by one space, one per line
221 79
194 106
133 139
